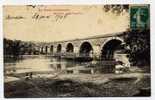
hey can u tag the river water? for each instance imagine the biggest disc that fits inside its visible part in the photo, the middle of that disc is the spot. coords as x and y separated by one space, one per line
48 64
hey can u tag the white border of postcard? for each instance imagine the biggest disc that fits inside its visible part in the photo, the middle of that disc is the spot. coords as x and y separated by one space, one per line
50 2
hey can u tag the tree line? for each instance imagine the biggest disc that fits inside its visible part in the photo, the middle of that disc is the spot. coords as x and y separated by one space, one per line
18 47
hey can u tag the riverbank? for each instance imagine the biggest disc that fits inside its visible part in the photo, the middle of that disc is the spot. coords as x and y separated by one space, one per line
80 85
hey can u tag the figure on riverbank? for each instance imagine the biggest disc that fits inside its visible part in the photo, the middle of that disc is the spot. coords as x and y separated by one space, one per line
28 76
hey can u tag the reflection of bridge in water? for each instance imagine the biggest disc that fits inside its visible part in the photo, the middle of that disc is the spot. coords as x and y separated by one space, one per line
97 47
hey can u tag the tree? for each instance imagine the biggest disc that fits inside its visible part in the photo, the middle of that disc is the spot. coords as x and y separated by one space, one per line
138 42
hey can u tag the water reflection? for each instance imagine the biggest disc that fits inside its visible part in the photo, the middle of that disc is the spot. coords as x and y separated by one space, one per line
51 65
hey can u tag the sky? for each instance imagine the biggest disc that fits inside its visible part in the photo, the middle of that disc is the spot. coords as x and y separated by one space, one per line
60 22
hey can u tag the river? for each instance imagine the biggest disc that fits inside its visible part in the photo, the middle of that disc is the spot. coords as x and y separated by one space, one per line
48 64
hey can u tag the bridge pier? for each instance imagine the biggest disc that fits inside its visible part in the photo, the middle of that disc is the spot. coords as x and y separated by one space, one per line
96 52
48 50
76 50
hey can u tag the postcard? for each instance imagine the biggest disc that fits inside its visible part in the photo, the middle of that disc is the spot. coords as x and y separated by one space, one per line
98 50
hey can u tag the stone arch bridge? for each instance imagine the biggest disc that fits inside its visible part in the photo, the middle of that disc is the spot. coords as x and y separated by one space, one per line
102 46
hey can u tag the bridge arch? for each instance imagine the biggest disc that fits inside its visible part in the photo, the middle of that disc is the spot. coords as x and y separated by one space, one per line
59 48
70 47
46 49
109 47
86 49
51 48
